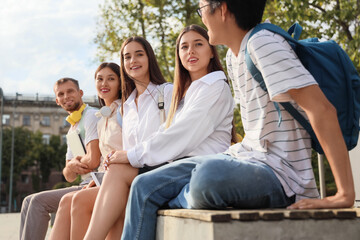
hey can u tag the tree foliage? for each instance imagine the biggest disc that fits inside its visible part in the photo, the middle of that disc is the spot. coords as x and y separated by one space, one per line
29 151
160 21
336 19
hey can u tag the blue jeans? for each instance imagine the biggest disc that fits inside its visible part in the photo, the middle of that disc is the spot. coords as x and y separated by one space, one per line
211 182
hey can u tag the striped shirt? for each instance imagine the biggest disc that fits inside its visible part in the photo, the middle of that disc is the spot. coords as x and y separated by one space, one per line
286 148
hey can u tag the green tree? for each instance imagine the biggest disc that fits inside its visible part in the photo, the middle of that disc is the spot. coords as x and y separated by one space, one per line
30 150
159 21
332 19
46 156
22 147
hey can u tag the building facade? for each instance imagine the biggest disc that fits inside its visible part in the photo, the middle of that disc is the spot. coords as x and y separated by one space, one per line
36 113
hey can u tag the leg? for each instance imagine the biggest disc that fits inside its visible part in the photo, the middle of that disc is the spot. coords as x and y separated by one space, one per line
111 200
36 220
61 228
24 212
228 182
116 230
81 210
149 192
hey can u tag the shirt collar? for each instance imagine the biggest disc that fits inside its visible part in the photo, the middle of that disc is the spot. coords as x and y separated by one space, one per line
212 77
150 88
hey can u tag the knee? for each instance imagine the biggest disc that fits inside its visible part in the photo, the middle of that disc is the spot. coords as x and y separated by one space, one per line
209 180
121 173
209 174
79 204
140 183
139 180
27 201
65 202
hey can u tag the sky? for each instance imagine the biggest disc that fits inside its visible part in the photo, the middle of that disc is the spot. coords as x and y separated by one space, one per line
42 41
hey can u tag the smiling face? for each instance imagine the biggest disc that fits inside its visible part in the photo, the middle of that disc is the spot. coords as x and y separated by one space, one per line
107 85
213 23
136 62
68 96
195 54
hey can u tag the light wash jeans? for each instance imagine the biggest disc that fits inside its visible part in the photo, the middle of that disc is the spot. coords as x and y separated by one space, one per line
212 182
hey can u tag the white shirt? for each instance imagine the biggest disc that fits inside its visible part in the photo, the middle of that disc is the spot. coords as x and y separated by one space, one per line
285 148
203 125
141 121
90 126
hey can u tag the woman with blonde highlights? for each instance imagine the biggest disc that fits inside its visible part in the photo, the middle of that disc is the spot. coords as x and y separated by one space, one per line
199 120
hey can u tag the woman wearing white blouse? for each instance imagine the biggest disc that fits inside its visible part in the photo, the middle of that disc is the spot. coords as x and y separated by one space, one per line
199 120
142 84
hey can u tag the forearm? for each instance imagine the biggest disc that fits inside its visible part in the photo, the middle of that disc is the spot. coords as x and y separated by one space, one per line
92 156
328 131
91 163
69 175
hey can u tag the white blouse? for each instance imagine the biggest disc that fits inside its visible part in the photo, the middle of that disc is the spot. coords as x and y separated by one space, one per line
141 121
203 125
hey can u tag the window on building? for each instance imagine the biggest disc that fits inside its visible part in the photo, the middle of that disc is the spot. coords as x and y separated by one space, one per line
46 138
45 121
6 119
26 120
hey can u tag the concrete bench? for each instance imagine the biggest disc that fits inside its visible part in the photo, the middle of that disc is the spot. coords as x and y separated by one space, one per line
184 224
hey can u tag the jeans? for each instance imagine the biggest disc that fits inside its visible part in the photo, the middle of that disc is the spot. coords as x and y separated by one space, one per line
206 182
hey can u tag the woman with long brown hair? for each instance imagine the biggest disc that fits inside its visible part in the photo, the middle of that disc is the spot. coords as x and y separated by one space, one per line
141 83
199 121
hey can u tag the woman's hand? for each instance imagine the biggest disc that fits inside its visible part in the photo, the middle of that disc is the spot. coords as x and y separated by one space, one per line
89 185
116 157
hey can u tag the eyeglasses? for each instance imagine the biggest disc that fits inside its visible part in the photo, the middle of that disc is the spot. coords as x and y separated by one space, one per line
199 9
215 4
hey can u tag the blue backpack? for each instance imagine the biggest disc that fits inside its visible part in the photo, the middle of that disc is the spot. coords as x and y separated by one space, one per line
334 72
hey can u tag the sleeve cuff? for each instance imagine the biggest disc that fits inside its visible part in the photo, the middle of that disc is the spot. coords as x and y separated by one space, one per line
131 155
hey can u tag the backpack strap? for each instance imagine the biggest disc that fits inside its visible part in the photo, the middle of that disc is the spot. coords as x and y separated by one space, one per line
161 103
256 74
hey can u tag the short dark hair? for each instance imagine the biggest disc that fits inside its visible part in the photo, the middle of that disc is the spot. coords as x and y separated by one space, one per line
116 69
66 79
248 13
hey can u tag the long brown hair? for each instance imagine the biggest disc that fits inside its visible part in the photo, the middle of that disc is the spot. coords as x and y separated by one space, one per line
116 69
182 79
127 83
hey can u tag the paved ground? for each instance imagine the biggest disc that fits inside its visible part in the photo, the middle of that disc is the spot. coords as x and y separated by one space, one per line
10 225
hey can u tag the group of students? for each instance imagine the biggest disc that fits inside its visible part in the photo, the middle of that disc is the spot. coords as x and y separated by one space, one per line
187 160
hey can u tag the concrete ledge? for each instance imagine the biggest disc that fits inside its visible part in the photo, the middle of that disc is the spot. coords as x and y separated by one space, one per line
183 224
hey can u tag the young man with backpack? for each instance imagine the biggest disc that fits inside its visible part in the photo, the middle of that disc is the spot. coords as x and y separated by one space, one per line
271 167
36 207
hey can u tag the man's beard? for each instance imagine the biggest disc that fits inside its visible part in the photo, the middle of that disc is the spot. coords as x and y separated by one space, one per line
73 108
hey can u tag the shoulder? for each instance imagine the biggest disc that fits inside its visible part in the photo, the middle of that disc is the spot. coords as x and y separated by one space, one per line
89 115
263 38
212 78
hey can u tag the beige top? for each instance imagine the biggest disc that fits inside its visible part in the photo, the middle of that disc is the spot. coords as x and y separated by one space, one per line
110 133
